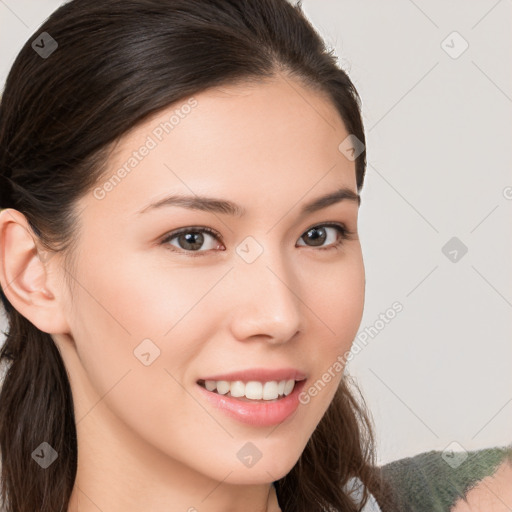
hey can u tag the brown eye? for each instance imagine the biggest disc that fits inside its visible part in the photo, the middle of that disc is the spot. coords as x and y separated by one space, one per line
193 239
318 235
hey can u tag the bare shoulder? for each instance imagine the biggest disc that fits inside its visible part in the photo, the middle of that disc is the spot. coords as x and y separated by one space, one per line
491 494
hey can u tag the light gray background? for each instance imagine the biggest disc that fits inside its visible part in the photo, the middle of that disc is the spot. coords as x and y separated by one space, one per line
439 133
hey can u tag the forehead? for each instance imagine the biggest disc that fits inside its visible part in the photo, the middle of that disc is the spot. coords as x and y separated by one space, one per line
254 141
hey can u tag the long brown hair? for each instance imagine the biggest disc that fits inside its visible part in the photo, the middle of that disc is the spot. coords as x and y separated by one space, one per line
115 63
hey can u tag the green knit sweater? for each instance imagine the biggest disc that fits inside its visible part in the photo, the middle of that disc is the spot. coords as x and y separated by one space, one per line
433 481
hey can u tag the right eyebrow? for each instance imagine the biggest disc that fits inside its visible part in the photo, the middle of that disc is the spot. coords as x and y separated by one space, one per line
217 205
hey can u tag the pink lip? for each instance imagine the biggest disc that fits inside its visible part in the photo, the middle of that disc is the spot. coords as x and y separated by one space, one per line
258 413
260 375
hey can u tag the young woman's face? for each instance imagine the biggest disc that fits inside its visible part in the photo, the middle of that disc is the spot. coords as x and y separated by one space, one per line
153 315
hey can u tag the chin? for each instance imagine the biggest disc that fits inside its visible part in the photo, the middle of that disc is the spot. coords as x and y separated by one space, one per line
266 470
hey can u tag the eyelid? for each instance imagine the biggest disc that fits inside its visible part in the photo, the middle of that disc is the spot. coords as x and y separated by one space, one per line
172 234
343 231
187 229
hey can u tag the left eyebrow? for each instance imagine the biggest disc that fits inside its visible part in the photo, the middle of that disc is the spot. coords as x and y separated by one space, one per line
216 205
342 194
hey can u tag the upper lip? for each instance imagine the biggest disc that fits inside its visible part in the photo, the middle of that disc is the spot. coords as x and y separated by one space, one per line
260 374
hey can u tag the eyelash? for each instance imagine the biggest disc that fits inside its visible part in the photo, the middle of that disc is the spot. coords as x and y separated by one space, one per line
345 234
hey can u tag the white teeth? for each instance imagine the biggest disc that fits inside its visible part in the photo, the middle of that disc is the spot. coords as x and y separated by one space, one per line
223 387
288 388
210 385
253 389
237 388
270 390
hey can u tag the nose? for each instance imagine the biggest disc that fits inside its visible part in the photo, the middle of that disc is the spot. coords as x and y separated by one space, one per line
268 302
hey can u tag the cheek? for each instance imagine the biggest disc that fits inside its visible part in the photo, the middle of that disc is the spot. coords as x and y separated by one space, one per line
344 297
132 307
337 302
117 309
139 296
119 305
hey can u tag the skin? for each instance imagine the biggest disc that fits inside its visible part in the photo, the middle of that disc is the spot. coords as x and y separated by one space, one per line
146 437
492 494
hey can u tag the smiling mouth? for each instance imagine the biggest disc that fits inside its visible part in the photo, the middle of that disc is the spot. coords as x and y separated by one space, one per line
251 391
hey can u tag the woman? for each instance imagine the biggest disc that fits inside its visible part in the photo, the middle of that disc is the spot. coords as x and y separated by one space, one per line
180 264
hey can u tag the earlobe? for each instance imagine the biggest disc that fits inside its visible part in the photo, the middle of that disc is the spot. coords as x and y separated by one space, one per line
24 278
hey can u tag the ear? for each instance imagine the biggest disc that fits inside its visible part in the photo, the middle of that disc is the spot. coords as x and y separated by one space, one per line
25 277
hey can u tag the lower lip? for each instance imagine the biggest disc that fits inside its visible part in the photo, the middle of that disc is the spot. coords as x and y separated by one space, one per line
257 413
